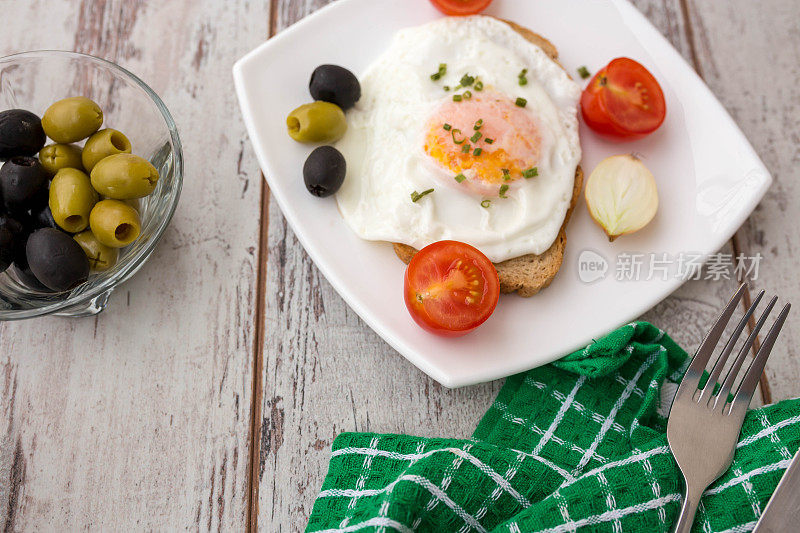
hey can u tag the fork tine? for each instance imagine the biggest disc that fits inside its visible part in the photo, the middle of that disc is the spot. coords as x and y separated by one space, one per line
706 348
748 385
708 390
733 371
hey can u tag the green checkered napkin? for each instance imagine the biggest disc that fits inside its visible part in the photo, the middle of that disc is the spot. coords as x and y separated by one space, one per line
576 445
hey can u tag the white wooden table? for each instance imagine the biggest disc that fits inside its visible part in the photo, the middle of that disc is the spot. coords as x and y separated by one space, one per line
207 397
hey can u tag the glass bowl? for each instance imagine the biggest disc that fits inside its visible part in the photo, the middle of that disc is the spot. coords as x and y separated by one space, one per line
33 81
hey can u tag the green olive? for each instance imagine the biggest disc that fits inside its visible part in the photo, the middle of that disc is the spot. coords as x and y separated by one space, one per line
124 176
318 122
103 144
54 157
115 223
101 257
72 119
71 199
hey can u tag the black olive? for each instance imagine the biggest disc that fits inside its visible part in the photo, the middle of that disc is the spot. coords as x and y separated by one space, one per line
324 171
7 247
335 84
56 259
23 181
21 133
43 218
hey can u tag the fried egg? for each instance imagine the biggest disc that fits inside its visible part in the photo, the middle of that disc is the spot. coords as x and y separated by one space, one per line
499 148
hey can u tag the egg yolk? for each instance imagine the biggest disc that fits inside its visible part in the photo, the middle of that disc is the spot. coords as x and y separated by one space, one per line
486 141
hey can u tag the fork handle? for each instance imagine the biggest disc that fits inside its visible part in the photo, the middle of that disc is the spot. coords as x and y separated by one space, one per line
689 508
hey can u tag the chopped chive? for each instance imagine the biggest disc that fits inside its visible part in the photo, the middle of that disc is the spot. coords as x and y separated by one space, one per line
584 72
486 203
503 189
467 95
466 148
453 135
467 80
488 140
479 85
446 88
456 97
477 137
521 102
460 178
531 172
506 174
441 72
447 127
478 125
523 73
523 81
478 151
415 196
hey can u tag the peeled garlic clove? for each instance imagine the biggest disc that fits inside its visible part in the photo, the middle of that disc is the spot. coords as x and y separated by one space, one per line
621 195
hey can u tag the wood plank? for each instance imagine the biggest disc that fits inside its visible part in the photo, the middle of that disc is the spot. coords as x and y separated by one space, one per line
139 419
326 372
749 54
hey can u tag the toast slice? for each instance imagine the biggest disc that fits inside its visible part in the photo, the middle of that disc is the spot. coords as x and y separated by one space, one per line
528 274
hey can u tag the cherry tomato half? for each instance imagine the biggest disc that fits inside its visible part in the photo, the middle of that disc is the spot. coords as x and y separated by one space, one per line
451 288
461 7
623 100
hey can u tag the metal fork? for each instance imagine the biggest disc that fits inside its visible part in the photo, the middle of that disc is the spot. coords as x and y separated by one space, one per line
704 424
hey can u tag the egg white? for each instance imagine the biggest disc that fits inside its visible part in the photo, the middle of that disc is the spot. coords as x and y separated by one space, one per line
384 143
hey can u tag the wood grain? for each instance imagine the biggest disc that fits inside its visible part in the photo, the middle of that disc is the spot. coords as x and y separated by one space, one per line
749 54
139 419
326 372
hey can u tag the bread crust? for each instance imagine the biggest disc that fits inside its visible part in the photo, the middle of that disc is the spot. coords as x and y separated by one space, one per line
528 274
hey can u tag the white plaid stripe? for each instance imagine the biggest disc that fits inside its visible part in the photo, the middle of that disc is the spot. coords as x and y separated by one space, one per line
617 514
559 416
611 503
440 495
448 478
458 452
617 406
654 486
563 508
773 436
362 478
384 510
783 464
558 395
372 522
748 490
508 417
769 431
741 528
509 476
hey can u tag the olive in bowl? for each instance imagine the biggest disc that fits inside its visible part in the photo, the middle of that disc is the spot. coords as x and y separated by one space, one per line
72 199
124 176
21 133
102 144
115 223
101 257
54 157
23 181
324 171
56 260
72 119
335 84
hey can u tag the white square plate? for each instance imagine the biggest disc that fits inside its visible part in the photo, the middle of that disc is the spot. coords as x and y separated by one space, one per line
708 175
